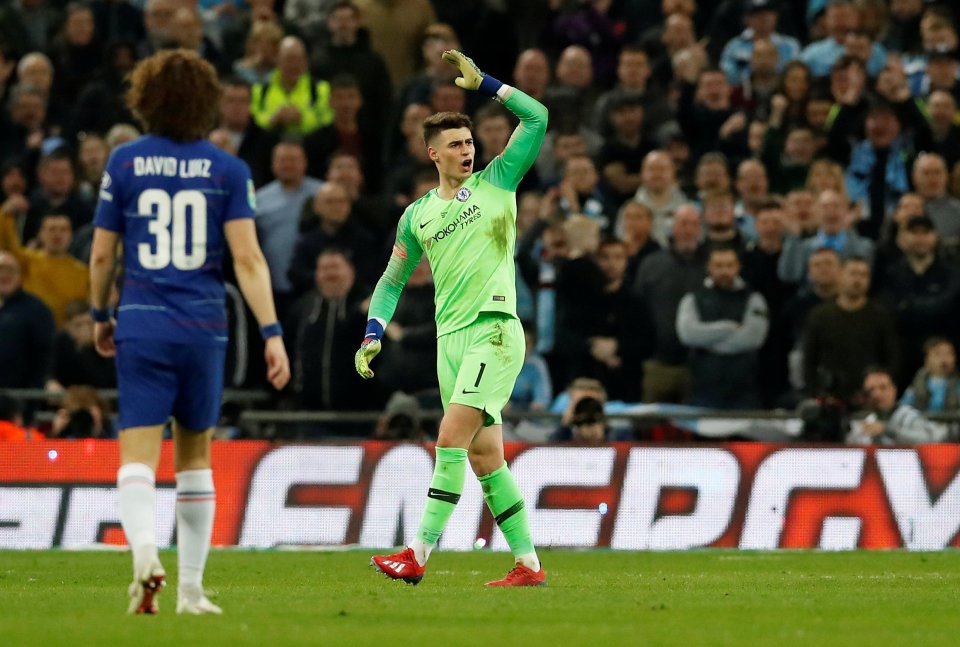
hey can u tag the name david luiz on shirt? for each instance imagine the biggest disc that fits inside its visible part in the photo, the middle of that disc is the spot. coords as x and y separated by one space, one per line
171 166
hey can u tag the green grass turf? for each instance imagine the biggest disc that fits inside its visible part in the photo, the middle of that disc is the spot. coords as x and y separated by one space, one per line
594 598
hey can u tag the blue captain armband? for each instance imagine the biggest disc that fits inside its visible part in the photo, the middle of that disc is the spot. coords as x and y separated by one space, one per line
489 86
374 330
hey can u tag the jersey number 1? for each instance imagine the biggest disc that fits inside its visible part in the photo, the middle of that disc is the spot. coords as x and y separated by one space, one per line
169 229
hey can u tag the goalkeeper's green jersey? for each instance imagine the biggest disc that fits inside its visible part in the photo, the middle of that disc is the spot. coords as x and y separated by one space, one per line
470 239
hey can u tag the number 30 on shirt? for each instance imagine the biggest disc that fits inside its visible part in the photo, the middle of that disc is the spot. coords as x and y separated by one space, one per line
169 229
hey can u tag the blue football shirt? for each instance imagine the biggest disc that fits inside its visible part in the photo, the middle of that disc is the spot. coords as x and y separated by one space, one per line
169 201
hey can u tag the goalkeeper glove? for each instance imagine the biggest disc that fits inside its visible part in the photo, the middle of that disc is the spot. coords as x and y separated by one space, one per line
471 77
368 349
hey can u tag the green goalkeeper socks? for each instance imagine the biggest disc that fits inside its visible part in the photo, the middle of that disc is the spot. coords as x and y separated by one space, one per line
445 490
506 503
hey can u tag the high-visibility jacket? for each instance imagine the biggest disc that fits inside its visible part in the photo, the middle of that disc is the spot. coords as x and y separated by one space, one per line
310 96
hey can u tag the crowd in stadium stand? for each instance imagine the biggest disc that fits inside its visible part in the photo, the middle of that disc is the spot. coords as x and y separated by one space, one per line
739 204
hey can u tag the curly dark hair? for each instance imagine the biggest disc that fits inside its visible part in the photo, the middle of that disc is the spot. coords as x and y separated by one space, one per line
175 93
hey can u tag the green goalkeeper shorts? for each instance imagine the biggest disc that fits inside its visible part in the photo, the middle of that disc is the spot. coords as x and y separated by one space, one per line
478 365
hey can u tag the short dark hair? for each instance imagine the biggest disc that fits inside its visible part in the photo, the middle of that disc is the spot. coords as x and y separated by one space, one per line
724 248
344 82
857 259
437 123
76 308
874 369
769 204
343 4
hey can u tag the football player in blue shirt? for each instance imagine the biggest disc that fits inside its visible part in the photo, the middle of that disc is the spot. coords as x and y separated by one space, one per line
176 202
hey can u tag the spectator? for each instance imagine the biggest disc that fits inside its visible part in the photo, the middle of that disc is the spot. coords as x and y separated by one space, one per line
888 423
753 188
76 53
321 329
834 232
82 414
823 270
621 157
945 130
533 390
890 249
26 331
250 142
760 18
663 279
279 204
75 361
936 386
712 175
26 127
101 105
843 338
92 161
260 57
704 110
842 18
531 74
413 333
348 51
580 191
438 38
721 228
760 272
56 191
572 98
796 87
786 153
636 221
752 94
922 291
930 179
579 295
877 174
329 225
587 426
633 76
396 32
188 34
724 324
660 193
402 419
799 213
369 209
49 271
344 134
293 101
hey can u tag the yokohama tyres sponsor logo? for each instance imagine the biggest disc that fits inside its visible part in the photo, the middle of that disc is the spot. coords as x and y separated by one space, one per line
746 495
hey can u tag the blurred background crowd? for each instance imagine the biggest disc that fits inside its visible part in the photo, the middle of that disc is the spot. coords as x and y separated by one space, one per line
740 204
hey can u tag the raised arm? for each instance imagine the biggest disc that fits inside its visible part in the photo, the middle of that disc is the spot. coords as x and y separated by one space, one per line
512 164
509 167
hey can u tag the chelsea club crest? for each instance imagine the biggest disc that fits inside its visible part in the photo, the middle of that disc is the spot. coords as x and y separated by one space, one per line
463 194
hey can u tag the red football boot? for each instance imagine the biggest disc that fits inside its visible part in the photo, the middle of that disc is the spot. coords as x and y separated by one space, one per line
400 566
522 576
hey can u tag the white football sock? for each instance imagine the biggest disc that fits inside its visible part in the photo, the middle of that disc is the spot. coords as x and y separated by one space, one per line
421 550
195 510
136 499
530 560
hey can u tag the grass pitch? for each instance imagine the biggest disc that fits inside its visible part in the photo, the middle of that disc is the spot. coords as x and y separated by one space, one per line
594 598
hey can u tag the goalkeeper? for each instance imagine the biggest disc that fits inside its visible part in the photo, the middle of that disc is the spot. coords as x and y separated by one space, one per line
467 228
